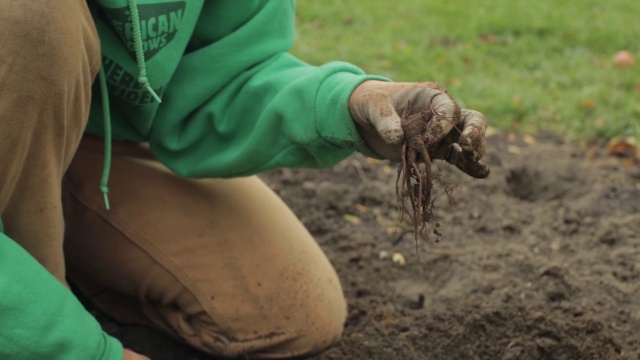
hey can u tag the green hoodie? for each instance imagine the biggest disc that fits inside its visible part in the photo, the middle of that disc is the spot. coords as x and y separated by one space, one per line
234 103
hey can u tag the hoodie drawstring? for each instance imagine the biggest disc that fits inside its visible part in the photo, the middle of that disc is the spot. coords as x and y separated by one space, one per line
106 116
142 79
137 41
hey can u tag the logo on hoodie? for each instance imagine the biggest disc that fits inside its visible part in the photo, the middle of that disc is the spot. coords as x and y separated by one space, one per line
159 24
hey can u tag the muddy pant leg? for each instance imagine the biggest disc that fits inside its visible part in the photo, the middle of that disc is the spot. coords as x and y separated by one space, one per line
223 265
49 54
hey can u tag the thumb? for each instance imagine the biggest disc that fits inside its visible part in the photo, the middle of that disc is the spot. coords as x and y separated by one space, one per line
383 116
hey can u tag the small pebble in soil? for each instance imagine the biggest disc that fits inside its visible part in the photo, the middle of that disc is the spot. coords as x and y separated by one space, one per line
398 259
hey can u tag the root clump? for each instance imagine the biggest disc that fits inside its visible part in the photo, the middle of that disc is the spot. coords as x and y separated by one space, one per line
416 179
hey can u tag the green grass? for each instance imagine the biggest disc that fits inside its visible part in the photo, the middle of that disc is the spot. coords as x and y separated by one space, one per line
528 65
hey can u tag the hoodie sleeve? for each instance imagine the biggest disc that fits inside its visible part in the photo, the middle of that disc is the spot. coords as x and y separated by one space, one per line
40 318
240 103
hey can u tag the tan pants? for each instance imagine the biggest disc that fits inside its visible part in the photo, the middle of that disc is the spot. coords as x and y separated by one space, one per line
221 264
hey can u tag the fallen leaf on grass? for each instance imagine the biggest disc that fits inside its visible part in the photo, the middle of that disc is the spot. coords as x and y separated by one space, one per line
347 20
623 148
354 219
517 101
623 59
487 39
530 139
588 104
360 208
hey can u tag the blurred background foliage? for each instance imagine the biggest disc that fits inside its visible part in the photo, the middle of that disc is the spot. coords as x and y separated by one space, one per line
544 66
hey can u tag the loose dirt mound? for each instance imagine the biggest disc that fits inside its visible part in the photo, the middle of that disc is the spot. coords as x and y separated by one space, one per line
539 261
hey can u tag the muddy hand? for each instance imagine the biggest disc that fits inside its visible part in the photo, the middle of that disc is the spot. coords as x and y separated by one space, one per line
454 135
130 355
465 149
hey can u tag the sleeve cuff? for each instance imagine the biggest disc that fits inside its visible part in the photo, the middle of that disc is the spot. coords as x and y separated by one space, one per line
333 120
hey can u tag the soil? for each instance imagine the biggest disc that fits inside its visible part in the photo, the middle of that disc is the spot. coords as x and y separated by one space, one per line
539 261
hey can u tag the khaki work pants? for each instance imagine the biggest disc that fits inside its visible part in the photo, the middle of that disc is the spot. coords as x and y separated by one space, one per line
223 265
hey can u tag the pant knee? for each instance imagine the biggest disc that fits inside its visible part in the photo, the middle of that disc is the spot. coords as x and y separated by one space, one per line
319 334
315 328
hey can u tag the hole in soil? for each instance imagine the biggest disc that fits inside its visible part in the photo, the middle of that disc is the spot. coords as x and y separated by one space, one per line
523 184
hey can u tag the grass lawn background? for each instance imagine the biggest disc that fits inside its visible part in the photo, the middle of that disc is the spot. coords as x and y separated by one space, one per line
529 66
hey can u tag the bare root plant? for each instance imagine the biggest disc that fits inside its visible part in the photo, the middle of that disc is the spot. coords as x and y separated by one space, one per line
416 180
